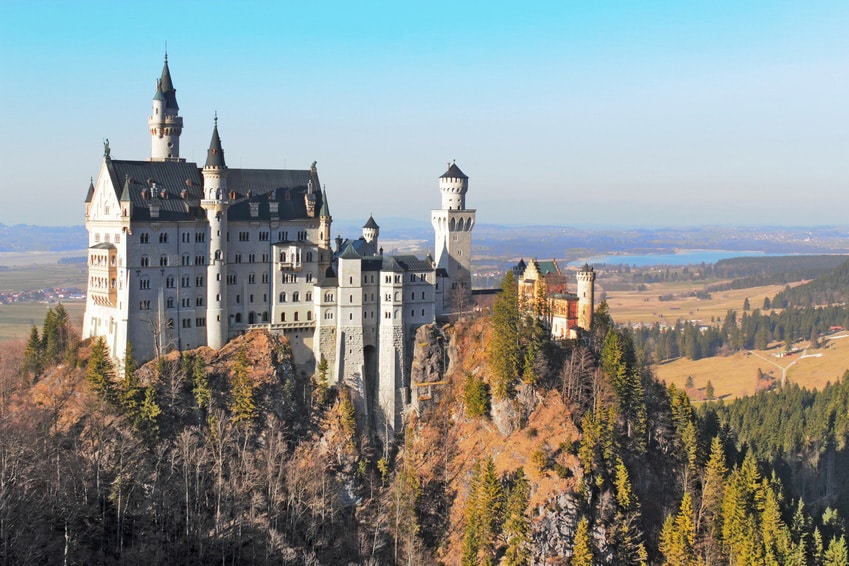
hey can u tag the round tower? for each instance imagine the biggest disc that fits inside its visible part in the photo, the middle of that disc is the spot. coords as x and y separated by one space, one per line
371 231
586 297
164 122
215 203
453 185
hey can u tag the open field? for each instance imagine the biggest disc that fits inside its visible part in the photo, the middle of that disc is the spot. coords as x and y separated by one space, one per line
17 318
43 276
645 307
736 375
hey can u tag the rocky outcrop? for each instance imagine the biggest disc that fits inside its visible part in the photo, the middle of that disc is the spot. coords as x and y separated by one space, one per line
431 362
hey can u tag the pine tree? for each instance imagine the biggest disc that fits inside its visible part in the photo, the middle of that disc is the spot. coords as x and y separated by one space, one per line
582 553
677 538
836 554
200 384
504 349
321 390
242 404
100 372
516 523
34 353
130 395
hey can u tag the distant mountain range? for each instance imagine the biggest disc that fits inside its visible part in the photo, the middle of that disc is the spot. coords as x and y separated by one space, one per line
29 238
528 241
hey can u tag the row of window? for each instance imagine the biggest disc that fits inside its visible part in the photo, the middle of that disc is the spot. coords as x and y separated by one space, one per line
296 296
186 237
106 238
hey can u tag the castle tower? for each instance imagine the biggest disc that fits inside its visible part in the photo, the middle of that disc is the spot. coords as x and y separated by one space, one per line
452 226
164 123
324 223
371 232
586 297
215 203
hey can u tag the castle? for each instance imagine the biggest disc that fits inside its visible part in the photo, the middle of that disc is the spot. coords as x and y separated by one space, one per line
182 256
565 313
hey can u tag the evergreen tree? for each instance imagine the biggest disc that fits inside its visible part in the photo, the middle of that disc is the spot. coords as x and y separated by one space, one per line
200 384
100 372
517 525
582 550
130 394
321 390
242 403
746 305
34 353
837 554
504 348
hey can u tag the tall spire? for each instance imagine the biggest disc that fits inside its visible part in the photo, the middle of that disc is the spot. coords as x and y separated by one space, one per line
325 208
215 155
167 86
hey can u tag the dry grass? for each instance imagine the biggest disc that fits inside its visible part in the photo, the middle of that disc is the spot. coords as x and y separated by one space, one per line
736 375
645 307
16 319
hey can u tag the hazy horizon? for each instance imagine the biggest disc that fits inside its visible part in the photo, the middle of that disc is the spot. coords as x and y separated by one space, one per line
592 115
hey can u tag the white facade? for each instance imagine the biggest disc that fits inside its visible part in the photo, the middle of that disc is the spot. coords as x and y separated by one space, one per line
182 256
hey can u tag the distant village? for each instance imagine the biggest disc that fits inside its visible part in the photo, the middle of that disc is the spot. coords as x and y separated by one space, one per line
48 295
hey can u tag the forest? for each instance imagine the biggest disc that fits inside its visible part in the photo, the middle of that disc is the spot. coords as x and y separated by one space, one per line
534 451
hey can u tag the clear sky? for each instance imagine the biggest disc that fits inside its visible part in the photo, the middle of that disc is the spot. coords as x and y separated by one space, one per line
573 113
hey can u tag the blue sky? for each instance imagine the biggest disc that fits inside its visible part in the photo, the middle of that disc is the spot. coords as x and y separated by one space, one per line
572 113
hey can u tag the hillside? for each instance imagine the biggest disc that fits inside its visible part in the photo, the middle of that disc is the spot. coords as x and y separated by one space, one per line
516 450
828 288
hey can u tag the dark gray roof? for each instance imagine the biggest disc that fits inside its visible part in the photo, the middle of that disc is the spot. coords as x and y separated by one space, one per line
125 192
412 263
325 208
215 154
397 264
90 194
168 90
371 223
172 177
349 253
260 186
285 186
453 173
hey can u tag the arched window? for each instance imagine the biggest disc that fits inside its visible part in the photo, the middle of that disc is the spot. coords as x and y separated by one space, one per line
309 315
238 317
296 317
296 297
283 297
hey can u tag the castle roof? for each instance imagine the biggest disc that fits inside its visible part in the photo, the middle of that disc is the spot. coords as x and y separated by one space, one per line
167 87
325 208
453 173
349 252
215 154
260 186
371 223
395 264
90 194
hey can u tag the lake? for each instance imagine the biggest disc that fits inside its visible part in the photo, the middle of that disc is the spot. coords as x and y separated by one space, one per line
682 257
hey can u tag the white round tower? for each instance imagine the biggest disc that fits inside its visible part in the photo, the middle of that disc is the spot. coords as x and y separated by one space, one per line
453 185
371 231
164 122
215 202
586 297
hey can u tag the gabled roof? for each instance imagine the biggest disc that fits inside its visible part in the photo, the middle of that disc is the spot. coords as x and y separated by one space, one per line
90 194
546 267
453 173
215 154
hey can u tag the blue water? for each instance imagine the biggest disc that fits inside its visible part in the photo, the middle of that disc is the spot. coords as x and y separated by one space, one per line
683 257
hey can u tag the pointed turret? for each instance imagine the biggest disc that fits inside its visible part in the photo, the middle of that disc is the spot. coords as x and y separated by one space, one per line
90 193
325 209
215 154
164 123
167 86
125 193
